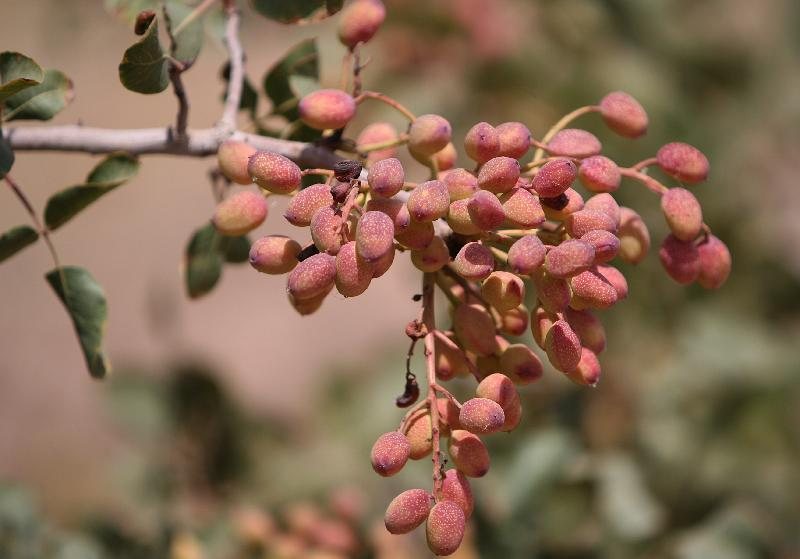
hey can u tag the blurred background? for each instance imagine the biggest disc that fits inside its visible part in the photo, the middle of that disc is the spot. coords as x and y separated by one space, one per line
230 421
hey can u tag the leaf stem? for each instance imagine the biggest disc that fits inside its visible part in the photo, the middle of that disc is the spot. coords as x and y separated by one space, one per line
388 100
560 125
43 231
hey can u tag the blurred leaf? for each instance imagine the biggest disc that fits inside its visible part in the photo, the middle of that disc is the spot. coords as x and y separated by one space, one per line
235 249
6 155
43 101
540 462
17 72
110 173
189 41
86 304
301 60
295 11
202 261
144 67
15 239
625 502
137 402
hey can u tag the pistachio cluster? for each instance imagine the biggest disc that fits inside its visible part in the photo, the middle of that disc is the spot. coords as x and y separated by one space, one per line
544 229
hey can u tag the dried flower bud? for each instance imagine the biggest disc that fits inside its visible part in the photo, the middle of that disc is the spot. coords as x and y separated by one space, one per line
346 170
143 20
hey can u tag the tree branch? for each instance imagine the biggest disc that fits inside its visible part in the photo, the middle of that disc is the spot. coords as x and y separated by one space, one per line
175 71
236 77
199 143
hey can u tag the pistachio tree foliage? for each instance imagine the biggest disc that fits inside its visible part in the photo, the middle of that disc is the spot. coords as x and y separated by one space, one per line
533 218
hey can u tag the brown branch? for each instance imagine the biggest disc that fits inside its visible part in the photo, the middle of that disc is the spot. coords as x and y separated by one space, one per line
429 320
177 68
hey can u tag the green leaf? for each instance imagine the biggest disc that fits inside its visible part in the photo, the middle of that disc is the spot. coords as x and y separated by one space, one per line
15 239
86 304
302 60
6 155
235 250
203 261
189 40
43 101
144 67
17 72
295 11
110 173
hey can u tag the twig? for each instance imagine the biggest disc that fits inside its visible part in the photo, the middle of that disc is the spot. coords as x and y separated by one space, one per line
199 143
388 100
651 183
236 78
175 70
39 227
429 320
